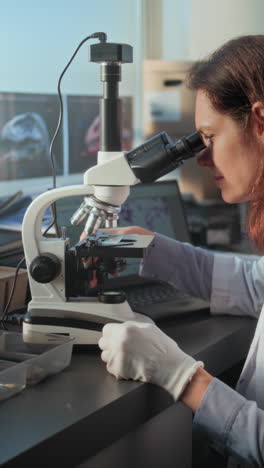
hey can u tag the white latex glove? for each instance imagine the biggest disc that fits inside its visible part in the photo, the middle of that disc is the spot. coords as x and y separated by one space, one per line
141 351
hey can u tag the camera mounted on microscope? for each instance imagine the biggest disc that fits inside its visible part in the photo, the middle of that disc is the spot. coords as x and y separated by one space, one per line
110 56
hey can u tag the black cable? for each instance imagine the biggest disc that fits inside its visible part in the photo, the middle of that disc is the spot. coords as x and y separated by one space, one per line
102 38
5 313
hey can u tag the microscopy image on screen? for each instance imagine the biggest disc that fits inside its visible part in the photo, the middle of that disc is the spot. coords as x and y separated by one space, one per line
84 130
27 126
150 213
156 206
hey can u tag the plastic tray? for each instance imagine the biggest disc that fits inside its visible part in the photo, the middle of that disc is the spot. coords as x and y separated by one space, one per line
24 363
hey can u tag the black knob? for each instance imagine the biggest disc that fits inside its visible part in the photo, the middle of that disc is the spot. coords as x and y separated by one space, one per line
112 297
45 268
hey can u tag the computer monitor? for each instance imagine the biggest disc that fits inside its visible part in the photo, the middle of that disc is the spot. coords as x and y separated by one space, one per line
27 124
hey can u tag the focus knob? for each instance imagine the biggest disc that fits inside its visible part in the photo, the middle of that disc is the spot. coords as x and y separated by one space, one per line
45 268
112 297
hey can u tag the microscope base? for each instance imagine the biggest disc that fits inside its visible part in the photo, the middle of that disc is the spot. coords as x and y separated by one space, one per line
85 328
81 336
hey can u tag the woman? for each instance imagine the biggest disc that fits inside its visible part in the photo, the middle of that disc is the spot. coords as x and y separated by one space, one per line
229 115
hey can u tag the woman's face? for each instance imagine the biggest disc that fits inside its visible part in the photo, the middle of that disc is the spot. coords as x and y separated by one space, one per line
233 159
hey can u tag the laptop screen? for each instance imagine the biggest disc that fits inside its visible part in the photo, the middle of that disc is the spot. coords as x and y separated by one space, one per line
158 207
155 206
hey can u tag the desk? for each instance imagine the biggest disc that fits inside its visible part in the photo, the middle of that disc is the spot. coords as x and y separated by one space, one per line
84 417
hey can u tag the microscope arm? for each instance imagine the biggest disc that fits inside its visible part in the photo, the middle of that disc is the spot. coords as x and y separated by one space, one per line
31 228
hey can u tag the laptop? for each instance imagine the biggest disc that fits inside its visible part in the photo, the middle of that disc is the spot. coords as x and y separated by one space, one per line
159 207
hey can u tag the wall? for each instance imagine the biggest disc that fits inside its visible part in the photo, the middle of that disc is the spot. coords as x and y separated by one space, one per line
37 42
192 28
175 27
213 22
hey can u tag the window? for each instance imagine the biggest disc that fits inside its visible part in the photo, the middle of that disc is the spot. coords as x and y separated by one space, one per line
40 40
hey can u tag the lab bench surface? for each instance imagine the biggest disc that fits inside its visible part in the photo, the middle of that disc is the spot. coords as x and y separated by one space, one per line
84 417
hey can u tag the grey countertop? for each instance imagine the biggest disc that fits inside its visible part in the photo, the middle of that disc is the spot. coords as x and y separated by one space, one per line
84 409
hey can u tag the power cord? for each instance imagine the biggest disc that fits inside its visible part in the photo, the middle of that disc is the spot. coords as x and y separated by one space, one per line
102 38
6 310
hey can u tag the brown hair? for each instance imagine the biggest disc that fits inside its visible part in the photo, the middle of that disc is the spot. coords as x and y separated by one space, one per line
233 79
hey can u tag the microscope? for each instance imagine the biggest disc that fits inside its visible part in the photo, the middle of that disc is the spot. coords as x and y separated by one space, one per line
60 276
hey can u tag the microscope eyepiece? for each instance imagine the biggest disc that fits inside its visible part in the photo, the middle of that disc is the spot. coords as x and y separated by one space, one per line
195 142
160 155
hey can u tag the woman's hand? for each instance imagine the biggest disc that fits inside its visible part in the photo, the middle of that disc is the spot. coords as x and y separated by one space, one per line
141 351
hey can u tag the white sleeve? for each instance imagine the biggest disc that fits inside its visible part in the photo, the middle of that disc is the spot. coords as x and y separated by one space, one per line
231 424
237 285
187 268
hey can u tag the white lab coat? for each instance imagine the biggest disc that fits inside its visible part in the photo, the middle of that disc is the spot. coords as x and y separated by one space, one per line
238 289
232 421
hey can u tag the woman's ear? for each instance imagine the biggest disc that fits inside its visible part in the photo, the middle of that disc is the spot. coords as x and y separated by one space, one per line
258 117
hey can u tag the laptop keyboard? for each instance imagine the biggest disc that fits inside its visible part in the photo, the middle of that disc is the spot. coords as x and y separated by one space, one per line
160 301
152 294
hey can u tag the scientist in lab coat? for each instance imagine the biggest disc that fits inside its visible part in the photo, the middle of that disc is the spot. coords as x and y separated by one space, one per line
229 115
